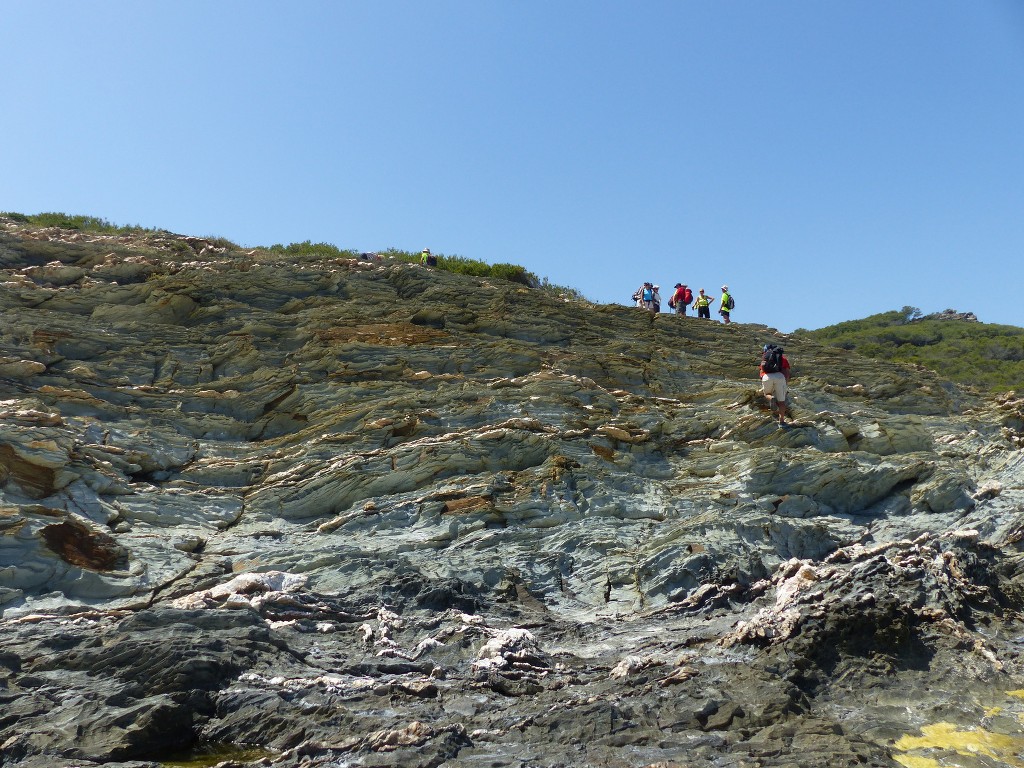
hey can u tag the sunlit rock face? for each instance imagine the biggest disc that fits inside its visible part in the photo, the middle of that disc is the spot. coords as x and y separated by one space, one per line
375 514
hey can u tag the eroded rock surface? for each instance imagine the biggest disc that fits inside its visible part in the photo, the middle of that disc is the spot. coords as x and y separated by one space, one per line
364 514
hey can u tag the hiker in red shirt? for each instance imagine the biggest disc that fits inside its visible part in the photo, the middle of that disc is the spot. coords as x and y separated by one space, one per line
774 373
681 299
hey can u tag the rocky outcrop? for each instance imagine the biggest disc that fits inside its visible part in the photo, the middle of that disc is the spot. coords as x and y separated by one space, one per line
949 314
361 512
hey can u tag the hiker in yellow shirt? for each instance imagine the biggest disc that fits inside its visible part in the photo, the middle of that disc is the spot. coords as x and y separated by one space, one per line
725 305
703 304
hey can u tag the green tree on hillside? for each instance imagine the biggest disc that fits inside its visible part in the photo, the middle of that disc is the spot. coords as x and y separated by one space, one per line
979 354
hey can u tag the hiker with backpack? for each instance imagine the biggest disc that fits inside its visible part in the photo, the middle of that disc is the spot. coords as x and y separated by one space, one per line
428 259
774 373
647 295
703 304
726 304
656 299
680 299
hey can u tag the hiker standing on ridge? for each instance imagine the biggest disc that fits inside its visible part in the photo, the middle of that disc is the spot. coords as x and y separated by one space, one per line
681 299
647 295
774 373
703 304
725 305
656 299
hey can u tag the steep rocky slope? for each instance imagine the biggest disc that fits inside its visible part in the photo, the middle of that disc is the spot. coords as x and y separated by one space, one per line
357 513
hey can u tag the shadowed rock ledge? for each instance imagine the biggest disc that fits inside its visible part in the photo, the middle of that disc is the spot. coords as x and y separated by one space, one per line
371 514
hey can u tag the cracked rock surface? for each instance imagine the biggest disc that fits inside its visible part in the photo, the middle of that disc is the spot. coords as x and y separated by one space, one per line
370 514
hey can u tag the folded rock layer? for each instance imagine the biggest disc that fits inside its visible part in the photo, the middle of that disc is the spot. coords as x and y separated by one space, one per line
370 513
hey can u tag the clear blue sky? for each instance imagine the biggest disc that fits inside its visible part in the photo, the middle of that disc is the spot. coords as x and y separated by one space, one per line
828 160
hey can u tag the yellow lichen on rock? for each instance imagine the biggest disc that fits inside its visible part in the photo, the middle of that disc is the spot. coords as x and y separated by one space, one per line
969 742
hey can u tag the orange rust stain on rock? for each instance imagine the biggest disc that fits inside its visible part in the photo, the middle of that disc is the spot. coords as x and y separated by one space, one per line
80 545
383 334
37 482
468 504
48 339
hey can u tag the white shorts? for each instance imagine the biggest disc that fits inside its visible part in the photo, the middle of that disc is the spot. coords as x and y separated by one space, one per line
774 384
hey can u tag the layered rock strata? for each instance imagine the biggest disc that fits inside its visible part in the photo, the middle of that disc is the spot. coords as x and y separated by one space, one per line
352 513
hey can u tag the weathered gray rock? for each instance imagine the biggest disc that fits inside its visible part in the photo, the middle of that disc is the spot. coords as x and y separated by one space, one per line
364 513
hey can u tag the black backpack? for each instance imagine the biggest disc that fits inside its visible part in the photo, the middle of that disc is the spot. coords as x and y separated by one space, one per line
771 359
731 303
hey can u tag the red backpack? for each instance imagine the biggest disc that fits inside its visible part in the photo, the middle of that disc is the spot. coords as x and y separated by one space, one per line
687 296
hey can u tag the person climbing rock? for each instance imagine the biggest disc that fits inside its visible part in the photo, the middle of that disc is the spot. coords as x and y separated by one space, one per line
774 373
427 258
703 304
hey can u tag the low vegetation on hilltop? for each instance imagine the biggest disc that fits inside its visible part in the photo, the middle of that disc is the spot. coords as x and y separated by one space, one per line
307 249
980 354
67 221
457 264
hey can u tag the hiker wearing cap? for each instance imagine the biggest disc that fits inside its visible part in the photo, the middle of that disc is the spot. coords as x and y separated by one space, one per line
656 299
726 305
427 258
681 299
703 304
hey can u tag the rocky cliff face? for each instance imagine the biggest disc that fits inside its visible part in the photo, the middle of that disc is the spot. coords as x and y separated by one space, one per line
357 513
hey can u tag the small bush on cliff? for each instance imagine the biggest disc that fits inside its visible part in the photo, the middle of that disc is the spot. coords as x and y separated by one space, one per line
512 272
477 268
312 250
